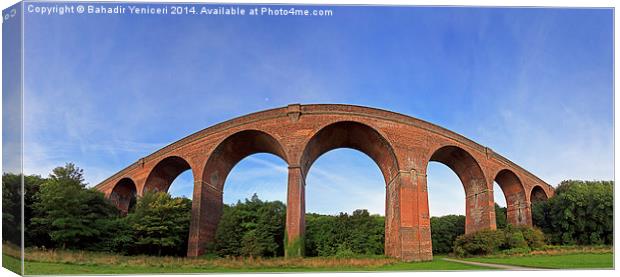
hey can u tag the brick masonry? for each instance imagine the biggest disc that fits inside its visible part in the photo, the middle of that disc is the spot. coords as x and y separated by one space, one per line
400 145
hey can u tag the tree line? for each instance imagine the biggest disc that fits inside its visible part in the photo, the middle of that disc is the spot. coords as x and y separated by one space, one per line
61 212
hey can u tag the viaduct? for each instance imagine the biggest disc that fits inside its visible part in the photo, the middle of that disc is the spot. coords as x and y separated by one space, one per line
400 145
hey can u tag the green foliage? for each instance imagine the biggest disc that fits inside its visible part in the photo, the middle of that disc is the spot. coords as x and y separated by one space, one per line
520 239
513 239
478 243
32 235
357 234
500 216
444 231
251 228
580 213
70 213
159 225
11 208
534 237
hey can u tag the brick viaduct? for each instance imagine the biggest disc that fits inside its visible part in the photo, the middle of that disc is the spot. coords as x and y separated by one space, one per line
400 145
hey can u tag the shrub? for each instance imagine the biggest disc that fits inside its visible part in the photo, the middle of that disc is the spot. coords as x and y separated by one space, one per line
479 243
514 239
511 240
344 251
535 237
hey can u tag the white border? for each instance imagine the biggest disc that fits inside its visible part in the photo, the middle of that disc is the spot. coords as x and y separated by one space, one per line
495 3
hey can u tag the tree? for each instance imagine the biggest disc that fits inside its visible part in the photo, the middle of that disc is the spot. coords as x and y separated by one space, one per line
357 234
251 228
32 236
69 212
11 208
229 233
444 230
160 224
500 216
581 213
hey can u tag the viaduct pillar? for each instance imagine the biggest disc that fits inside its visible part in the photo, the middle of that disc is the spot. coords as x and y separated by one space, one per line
295 213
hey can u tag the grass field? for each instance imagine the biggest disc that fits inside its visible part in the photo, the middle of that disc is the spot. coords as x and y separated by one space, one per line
310 264
562 261
50 262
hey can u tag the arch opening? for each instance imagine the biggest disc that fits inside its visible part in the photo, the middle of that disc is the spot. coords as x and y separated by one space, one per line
354 135
538 195
360 138
124 195
348 172
444 198
500 206
235 148
478 199
446 207
514 193
164 173
210 192
263 174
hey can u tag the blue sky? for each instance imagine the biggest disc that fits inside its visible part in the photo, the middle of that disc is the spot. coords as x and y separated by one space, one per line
535 85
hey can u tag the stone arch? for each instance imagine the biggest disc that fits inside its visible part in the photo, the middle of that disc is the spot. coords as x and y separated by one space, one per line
538 194
517 211
235 148
208 198
163 174
354 135
344 134
479 205
124 195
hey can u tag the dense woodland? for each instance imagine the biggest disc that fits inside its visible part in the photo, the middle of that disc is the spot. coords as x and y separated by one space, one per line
61 212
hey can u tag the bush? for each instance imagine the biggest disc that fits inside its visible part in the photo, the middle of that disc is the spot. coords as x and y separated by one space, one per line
513 239
479 243
344 251
520 239
535 237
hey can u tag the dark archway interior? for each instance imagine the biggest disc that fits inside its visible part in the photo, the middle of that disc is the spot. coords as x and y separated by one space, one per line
538 195
164 173
124 195
235 148
354 135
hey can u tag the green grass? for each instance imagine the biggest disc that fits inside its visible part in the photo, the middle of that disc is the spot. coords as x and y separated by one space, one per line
47 268
436 264
561 261
11 263
54 263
